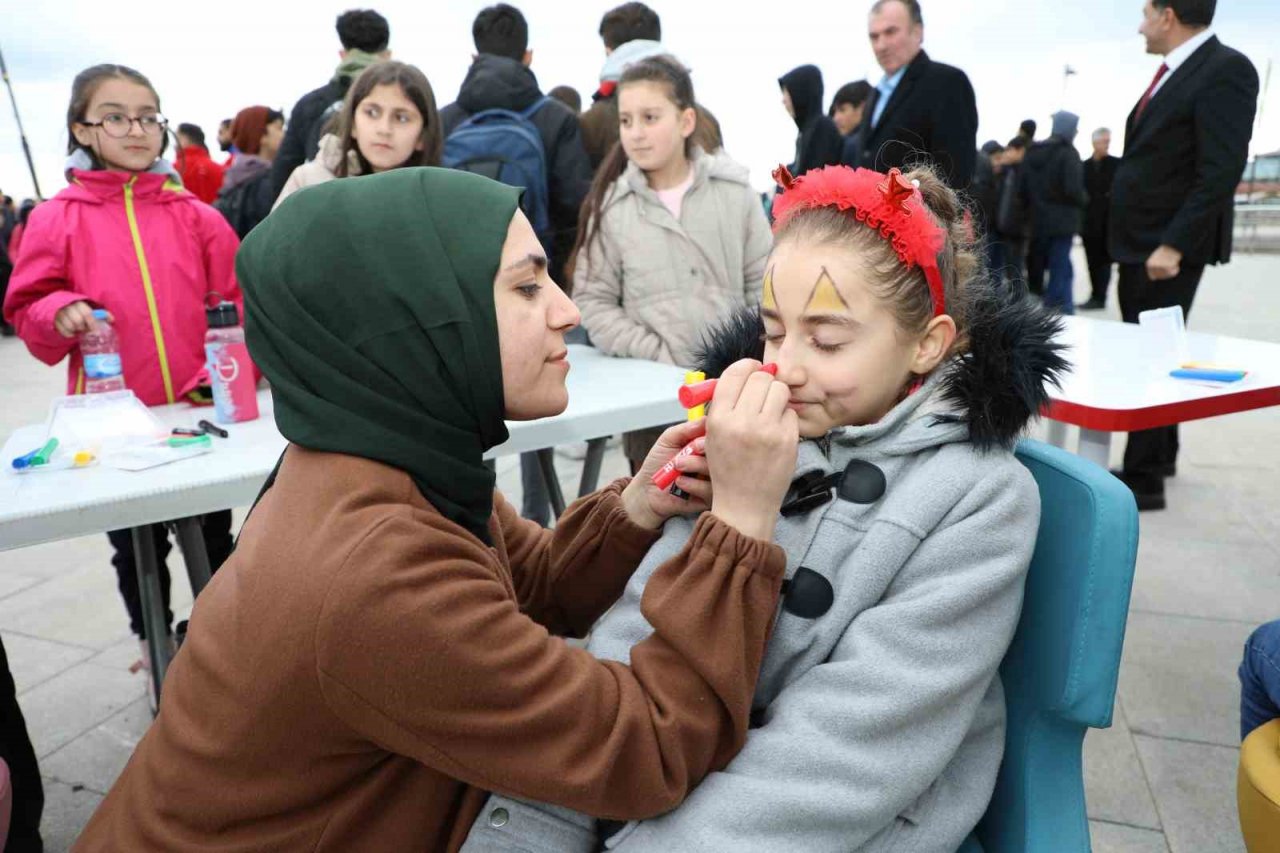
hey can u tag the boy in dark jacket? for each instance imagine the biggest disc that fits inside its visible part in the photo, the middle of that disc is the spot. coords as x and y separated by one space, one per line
500 78
1055 186
630 32
364 35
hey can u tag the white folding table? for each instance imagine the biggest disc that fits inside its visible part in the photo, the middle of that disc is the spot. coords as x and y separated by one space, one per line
1119 382
606 396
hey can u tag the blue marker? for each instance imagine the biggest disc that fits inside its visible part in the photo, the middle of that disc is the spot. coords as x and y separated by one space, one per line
1208 373
24 460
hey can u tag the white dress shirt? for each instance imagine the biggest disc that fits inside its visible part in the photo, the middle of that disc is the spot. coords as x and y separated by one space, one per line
1180 54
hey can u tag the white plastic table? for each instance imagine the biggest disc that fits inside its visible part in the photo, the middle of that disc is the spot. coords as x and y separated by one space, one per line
606 396
1119 382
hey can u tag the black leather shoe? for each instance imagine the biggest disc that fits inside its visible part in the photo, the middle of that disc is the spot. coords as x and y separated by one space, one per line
1148 492
1092 305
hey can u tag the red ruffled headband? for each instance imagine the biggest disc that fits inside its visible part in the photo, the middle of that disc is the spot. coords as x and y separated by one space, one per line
888 203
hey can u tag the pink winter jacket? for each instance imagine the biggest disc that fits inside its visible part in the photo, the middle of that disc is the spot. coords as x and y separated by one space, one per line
143 248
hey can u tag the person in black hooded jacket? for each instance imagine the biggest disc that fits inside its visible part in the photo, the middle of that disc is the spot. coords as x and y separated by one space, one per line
819 142
500 78
1055 188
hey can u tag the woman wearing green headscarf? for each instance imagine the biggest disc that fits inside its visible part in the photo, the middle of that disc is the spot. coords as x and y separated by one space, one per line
380 651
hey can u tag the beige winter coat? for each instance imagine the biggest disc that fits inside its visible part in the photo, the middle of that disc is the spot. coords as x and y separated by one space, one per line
649 285
321 169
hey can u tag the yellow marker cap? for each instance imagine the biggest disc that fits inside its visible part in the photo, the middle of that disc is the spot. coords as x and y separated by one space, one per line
693 377
83 457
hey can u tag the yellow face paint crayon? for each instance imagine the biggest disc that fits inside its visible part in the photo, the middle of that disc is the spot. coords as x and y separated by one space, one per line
693 377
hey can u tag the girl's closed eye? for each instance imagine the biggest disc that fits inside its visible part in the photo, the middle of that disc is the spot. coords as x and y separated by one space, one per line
824 346
530 291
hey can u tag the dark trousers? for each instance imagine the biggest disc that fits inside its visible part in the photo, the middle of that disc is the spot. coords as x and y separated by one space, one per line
1037 264
216 527
996 256
1056 252
1099 258
1012 256
1260 678
1151 452
24 774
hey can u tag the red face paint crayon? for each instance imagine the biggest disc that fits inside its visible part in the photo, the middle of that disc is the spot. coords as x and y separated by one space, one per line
666 476
701 392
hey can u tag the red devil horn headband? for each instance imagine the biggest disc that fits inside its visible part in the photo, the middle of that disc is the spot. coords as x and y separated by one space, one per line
890 204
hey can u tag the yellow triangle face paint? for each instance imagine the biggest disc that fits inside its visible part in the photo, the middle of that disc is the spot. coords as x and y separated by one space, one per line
769 302
825 299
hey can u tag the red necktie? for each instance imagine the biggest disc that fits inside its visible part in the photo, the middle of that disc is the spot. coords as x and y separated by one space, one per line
1151 90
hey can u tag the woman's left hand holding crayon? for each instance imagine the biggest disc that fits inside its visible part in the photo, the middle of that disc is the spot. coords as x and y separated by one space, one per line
650 505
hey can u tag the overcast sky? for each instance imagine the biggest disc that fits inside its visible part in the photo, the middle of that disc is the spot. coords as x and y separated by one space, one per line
208 60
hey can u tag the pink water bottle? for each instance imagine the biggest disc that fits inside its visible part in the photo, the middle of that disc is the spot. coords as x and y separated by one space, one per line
235 396
100 349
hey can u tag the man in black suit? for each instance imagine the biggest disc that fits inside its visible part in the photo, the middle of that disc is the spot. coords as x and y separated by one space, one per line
1099 174
920 107
1186 143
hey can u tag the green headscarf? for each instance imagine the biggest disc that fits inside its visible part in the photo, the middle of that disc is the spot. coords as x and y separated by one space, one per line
369 306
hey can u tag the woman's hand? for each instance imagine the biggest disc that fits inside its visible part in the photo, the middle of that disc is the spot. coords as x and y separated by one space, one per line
650 506
74 319
752 442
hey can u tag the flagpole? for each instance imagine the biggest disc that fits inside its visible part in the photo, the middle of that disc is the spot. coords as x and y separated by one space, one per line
26 149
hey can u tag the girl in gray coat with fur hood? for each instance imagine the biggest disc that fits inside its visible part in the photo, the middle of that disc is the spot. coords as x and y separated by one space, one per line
673 237
878 721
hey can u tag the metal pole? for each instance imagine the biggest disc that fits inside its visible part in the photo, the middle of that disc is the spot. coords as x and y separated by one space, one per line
547 463
152 598
591 466
26 149
194 554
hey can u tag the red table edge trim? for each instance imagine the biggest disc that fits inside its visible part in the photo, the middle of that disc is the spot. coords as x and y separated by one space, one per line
1128 420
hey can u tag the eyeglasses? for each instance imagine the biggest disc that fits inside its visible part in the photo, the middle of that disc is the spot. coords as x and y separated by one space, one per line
118 125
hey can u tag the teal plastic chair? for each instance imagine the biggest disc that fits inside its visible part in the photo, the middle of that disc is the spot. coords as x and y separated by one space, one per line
1060 673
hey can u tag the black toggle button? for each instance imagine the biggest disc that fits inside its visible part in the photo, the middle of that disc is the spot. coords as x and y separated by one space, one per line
808 594
809 491
863 483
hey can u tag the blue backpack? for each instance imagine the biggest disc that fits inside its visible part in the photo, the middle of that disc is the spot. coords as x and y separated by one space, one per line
505 145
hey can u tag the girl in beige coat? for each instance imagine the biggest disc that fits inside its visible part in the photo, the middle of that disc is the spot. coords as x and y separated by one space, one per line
388 120
673 238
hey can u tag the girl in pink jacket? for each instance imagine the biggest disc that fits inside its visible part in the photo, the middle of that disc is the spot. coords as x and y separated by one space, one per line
125 236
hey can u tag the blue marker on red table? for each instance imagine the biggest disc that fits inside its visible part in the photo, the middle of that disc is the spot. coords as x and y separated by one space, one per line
1208 372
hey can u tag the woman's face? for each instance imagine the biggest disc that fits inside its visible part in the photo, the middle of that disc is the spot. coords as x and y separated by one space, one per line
837 344
272 135
533 316
387 127
114 102
650 125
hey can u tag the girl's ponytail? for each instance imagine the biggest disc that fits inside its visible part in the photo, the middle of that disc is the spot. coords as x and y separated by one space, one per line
611 168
